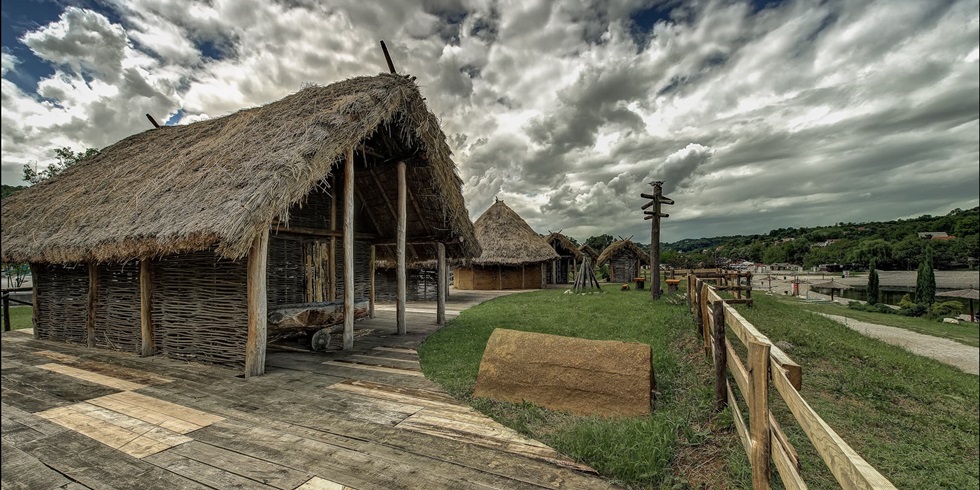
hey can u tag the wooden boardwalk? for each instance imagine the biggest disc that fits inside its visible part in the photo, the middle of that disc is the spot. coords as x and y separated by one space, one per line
78 418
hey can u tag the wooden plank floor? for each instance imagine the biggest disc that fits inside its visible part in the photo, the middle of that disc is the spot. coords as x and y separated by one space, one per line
76 418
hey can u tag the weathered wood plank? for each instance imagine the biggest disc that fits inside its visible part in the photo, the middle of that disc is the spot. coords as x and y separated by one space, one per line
203 473
101 379
369 367
22 471
129 435
138 376
317 483
264 472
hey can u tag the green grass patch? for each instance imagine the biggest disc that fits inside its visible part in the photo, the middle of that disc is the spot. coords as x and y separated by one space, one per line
964 332
912 418
21 317
667 448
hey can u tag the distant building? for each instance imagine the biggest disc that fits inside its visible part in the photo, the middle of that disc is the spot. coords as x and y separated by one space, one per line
824 243
935 235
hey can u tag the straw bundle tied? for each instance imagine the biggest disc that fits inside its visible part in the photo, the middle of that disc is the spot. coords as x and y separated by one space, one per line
221 181
506 239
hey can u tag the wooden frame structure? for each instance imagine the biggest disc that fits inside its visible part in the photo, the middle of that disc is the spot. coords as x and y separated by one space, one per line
569 257
380 181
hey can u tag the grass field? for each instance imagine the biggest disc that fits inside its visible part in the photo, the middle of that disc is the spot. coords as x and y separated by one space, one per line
684 443
964 332
912 418
20 317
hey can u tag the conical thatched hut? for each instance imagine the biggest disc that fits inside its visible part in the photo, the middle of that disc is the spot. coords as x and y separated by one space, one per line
625 259
569 256
178 240
514 256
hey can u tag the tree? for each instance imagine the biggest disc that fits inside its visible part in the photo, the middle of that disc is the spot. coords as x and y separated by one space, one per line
599 243
874 289
66 158
925 281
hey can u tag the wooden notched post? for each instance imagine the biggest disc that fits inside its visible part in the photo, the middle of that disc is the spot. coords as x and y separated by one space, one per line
349 250
148 342
657 199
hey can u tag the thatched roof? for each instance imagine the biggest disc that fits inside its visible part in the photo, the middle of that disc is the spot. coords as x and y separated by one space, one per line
507 239
587 250
563 246
961 293
620 247
221 181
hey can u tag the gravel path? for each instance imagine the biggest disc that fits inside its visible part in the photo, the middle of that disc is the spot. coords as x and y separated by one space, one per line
943 350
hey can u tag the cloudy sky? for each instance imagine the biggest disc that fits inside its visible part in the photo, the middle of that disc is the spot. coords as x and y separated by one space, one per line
756 115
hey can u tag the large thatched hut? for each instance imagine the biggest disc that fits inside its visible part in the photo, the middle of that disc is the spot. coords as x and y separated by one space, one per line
514 256
178 240
558 270
625 259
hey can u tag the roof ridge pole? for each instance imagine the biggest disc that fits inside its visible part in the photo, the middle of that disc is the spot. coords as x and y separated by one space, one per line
400 252
391 66
349 250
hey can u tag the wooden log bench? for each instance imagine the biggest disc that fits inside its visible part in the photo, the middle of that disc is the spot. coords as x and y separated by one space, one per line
313 319
639 282
672 285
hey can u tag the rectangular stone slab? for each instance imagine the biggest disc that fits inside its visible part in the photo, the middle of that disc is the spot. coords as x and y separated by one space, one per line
584 377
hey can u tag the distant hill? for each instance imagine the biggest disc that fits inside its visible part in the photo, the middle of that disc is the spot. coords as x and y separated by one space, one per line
10 189
895 245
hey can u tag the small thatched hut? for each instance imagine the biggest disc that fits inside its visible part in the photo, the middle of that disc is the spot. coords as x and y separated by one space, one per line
514 256
625 259
178 240
587 250
569 256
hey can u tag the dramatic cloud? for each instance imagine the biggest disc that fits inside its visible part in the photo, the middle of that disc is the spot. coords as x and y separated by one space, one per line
799 113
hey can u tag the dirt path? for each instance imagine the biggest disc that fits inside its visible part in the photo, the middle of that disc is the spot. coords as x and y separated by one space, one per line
943 350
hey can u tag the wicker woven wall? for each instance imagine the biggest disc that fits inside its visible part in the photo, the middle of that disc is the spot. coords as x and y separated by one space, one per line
200 310
362 270
286 281
624 268
62 299
420 285
315 212
117 307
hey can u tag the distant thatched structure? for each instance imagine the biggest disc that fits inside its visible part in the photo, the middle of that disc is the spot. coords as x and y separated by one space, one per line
587 250
194 231
514 256
625 259
568 257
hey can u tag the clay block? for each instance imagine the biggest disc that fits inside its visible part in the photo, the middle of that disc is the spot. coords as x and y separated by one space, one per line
584 377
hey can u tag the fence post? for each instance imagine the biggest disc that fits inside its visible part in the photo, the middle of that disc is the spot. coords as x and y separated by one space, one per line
696 299
6 312
758 399
721 356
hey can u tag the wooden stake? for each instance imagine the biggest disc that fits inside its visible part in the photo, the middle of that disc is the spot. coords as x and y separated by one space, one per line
759 413
93 292
35 300
371 297
258 307
441 284
148 342
153 121
400 235
721 356
391 66
349 250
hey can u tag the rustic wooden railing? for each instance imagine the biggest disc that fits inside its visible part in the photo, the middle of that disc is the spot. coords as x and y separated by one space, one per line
767 365
5 295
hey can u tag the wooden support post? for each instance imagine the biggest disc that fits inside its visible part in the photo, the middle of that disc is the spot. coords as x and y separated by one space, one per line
758 400
6 312
35 301
332 273
349 250
371 297
721 356
93 292
441 276
148 342
401 226
696 299
258 308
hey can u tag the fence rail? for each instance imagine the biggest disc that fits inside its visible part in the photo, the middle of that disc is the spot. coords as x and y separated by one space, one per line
767 365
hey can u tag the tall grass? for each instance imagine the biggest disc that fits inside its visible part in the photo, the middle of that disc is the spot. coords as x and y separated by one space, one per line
655 450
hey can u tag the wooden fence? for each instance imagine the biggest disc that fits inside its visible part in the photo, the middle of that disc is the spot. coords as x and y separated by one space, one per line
767 365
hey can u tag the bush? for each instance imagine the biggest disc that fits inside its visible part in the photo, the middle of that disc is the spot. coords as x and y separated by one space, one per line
906 301
876 308
914 309
945 308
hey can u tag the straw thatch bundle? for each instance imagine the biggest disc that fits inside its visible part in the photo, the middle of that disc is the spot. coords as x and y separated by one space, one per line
563 246
507 239
221 181
623 246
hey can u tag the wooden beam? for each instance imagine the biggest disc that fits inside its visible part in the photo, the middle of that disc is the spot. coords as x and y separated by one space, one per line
400 252
442 275
371 297
391 66
349 250
148 342
93 292
332 273
318 232
258 306
388 204
153 121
